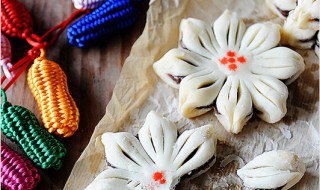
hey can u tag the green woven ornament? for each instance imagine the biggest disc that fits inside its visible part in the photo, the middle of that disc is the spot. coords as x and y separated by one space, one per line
21 126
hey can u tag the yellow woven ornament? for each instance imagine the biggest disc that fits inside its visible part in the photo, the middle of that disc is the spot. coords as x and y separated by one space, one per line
48 84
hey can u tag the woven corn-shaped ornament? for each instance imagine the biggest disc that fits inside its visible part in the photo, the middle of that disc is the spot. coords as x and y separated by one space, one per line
17 172
21 126
48 84
87 4
111 17
16 20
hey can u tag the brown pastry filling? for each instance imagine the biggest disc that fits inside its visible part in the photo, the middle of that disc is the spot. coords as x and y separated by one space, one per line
313 38
176 79
206 106
278 188
284 13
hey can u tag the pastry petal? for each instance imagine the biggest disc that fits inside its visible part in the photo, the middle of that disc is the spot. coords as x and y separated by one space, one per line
197 37
228 31
193 149
277 168
124 151
177 64
234 105
198 91
269 96
280 62
111 179
158 136
260 37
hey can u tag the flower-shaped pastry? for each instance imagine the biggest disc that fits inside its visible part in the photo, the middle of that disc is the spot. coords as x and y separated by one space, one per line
302 25
272 170
231 68
157 159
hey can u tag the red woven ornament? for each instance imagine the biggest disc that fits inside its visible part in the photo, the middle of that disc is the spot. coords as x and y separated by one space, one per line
17 172
16 19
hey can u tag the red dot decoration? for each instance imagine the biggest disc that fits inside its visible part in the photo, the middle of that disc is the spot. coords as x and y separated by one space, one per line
231 60
242 59
232 67
231 54
224 60
158 176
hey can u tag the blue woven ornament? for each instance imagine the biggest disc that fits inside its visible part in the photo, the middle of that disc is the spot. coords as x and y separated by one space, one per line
112 17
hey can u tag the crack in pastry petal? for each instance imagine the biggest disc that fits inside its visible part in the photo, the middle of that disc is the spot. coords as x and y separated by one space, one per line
178 63
195 36
150 131
229 30
269 96
260 37
111 179
272 169
124 151
192 96
280 62
234 105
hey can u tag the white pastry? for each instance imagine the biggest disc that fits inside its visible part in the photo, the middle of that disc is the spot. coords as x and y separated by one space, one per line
232 68
157 159
274 169
282 7
302 24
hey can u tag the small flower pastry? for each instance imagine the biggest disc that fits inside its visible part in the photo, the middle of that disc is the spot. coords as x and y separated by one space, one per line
274 169
157 159
302 25
282 7
231 68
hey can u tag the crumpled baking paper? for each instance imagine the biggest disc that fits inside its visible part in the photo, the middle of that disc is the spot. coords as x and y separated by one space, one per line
139 91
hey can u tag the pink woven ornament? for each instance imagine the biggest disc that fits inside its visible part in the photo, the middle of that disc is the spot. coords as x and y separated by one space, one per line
6 56
87 4
17 172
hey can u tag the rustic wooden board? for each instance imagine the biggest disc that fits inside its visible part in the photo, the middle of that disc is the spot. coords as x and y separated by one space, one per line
92 73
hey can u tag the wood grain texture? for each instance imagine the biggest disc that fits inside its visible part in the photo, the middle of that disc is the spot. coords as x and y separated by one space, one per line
92 73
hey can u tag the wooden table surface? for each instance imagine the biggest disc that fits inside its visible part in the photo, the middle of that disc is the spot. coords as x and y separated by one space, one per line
92 73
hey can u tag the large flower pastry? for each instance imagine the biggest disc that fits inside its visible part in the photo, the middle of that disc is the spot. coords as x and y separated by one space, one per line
157 159
232 68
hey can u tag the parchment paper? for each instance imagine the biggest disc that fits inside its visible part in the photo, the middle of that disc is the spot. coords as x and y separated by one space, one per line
139 91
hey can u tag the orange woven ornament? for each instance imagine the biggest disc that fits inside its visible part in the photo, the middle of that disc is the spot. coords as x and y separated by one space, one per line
48 84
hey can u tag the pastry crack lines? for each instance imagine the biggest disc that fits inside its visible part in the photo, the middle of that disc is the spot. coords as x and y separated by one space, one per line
158 158
232 68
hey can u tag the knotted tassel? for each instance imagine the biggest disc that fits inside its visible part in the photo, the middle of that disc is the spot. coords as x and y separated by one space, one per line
6 57
17 172
112 17
48 84
87 4
21 126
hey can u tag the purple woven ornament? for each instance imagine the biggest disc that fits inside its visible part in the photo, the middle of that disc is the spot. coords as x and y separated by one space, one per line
17 172
6 56
87 4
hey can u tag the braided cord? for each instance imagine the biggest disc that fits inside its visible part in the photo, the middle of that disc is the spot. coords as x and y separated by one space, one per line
21 126
16 20
17 172
48 84
112 17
